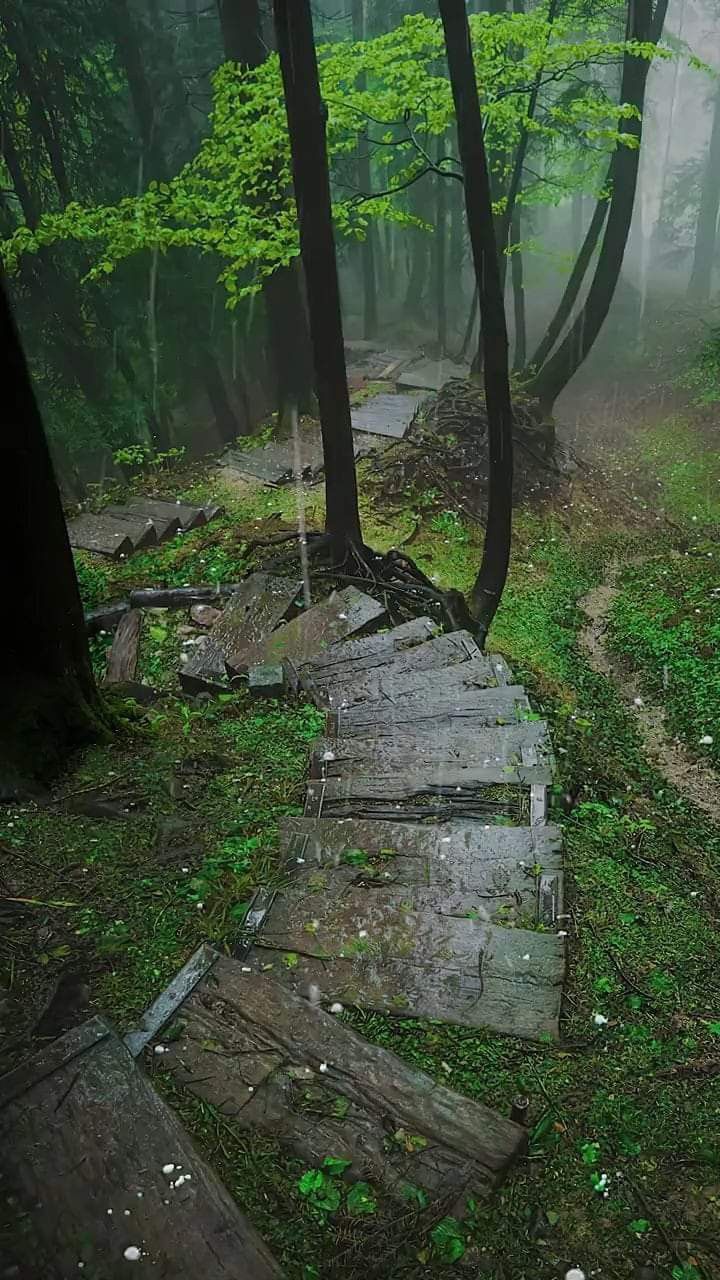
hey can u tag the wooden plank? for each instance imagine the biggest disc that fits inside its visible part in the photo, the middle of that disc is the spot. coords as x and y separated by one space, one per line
451 666
165 526
431 375
457 783
347 680
140 530
372 649
123 657
374 950
527 743
504 705
258 605
344 613
274 463
162 1009
386 415
93 1137
188 516
254 1049
106 616
100 535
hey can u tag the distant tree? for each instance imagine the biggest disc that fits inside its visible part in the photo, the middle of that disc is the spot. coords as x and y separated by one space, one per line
706 234
48 700
489 585
306 117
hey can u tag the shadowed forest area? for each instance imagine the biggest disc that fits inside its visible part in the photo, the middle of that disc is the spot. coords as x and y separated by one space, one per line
360 680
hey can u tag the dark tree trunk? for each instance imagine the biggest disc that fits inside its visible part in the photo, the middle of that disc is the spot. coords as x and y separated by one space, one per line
364 177
306 123
644 24
488 588
518 287
48 700
285 309
574 284
706 235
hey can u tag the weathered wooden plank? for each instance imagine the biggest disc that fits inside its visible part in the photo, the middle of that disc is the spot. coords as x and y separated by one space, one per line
140 530
188 516
169 1000
527 744
165 525
441 667
344 613
373 649
504 705
431 375
180 597
106 616
275 463
364 677
386 415
249 616
123 657
101 535
374 950
283 1066
84 1149
456 783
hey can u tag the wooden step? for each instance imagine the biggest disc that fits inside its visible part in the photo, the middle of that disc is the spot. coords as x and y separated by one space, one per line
450 668
259 604
278 1064
344 613
431 375
85 1138
165 526
101 535
353 656
386 415
514 872
466 710
500 746
188 516
384 949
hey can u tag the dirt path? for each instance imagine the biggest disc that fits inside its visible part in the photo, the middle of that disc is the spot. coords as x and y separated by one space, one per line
691 777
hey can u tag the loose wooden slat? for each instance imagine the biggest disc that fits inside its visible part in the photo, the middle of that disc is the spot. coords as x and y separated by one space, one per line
123 656
254 1049
249 616
374 950
362 678
360 654
92 1136
386 415
473 707
100 534
344 613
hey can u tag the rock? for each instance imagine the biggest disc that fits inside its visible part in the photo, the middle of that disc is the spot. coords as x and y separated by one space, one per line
204 614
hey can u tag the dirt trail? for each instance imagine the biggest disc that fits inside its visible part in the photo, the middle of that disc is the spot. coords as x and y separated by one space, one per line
691 777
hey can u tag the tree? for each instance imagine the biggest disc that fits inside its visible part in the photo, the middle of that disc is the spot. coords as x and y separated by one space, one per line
364 180
644 25
706 235
489 585
306 124
48 701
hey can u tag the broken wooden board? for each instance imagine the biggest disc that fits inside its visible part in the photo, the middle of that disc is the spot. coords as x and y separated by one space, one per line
123 657
372 948
275 463
188 516
431 375
258 605
358 655
453 666
274 1063
165 526
85 1138
386 415
344 613
506 871
340 681
456 783
527 744
505 705
100 534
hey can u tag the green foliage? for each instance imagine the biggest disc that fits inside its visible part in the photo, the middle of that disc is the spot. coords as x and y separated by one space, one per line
142 457
703 375
92 579
448 1239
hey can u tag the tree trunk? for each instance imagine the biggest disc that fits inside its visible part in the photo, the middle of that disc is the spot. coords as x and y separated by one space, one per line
48 700
285 310
364 177
440 247
643 25
518 287
487 591
700 285
306 123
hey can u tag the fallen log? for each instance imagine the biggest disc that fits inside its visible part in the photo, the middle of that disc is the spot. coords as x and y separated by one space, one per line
123 657
179 597
106 617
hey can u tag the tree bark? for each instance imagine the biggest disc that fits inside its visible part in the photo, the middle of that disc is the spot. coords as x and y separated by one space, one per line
364 177
440 254
48 700
487 591
700 285
306 122
644 24
518 287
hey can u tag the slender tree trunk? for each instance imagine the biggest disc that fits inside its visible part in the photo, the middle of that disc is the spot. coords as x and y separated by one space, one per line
285 309
644 24
306 122
48 700
490 583
364 176
440 247
700 285
518 287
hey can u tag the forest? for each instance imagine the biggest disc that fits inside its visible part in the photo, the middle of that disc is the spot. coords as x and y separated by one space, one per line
360 681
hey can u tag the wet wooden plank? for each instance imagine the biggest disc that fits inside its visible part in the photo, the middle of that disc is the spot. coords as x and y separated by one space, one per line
443 666
344 613
92 1136
386 415
347 681
101 535
165 526
258 605
504 705
374 950
275 462
123 656
527 744
431 375
140 530
188 516
457 783
254 1049
369 650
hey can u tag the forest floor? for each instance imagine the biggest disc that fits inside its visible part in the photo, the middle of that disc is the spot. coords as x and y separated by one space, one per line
623 1168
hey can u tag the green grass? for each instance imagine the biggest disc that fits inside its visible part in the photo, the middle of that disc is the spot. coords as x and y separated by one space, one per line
688 470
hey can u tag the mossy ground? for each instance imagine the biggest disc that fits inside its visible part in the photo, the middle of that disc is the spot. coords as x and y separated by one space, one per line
635 1098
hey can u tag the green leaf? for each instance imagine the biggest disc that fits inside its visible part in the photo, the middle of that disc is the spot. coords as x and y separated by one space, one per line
158 634
639 1226
448 1240
289 959
360 1200
552 1216
590 1152
416 1195
335 1164
312 1181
